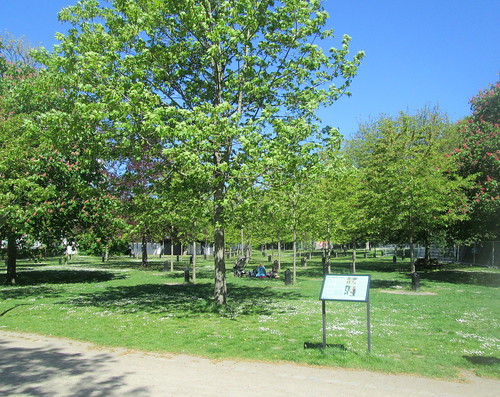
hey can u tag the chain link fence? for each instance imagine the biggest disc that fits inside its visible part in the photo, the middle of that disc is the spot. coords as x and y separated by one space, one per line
486 253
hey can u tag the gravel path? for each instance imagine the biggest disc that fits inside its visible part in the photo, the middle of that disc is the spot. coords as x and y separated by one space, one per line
34 365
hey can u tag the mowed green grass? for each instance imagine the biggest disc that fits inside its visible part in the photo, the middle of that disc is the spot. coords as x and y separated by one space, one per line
451 326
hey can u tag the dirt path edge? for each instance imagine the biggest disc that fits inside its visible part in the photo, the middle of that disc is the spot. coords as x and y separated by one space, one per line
36 365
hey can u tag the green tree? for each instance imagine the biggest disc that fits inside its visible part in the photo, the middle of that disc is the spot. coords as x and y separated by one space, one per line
133 181
273 218
47 192
213 82
187 209
409 187
290 177
478 156
342 213
333 195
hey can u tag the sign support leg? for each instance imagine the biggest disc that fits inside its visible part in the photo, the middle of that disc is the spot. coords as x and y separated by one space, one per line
368 326
323 309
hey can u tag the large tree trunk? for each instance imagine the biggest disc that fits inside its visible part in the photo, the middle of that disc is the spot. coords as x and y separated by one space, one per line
205 249
412 259
327 256
294 256
329 253
194 261
144 248
353 265
241 250
11 259
220 291
279 254
106 253
171 254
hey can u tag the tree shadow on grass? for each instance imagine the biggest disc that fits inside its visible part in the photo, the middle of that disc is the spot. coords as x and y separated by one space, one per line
47 371
319 346
29 292
484 279
29 265
183 300
34 283
482 360
153 265
64 276
262 300
159 266
383 284
179 273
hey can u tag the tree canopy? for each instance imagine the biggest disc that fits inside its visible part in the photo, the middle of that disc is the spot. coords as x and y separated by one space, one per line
409 187
478 155
49 191
201 116
222 87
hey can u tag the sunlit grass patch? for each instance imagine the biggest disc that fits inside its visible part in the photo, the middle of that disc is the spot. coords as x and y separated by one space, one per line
118 303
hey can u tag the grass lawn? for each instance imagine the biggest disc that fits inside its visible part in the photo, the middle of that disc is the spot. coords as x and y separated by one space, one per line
453 325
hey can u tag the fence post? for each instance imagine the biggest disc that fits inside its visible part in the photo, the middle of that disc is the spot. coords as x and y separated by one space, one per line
492 254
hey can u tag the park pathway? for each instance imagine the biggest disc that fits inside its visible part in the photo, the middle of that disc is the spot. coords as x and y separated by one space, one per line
34 365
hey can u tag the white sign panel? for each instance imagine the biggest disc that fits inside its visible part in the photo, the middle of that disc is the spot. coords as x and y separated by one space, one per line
345 287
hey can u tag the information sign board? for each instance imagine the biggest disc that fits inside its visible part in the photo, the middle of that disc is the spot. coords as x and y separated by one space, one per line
346 287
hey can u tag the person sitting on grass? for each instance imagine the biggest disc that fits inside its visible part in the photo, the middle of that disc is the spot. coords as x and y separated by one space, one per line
274 273
261 271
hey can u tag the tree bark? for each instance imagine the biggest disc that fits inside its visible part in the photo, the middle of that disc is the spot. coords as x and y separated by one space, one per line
329 251
194 261
171 254
220 292
11 259
294 255
144 249
353 265
412 261
329 257
205 249
279 254
241 251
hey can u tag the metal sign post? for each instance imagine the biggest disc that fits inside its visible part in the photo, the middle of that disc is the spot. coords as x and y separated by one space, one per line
346 287
368 327
323 307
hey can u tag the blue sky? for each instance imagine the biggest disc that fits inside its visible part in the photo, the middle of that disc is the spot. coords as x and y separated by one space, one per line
418 53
